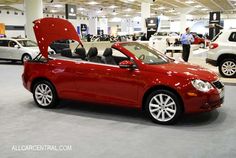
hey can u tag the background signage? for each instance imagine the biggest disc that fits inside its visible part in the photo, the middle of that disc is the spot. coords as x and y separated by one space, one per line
214 24
83 27
151 22
71 11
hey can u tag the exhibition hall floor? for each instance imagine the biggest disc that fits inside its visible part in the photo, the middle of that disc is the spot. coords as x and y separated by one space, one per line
97 131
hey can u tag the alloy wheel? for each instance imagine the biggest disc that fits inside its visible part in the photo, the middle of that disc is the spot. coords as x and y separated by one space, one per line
228 68
43 95
162 107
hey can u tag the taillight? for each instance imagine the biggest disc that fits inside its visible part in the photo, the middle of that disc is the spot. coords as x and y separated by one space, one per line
213 45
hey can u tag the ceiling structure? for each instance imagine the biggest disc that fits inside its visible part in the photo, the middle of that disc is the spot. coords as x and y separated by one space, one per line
131 8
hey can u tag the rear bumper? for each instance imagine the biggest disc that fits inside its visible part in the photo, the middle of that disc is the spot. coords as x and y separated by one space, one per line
211 62
25 83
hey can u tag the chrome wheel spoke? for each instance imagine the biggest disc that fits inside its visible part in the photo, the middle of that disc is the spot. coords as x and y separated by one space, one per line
161 98
170 104
167 100
154 110
154 105
163 115
158 114
157 101
168 114
170 110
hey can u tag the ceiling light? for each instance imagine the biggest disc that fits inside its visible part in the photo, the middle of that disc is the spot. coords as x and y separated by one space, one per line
92 3
128 10
197 6
204 9
80 9
189 2
161 8
114 13
58 5
113 6
53 11
130 0
126 15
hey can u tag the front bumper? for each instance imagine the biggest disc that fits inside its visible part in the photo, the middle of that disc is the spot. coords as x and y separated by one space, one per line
205 102
211 62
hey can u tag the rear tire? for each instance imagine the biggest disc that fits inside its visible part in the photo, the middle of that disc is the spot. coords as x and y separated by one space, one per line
26 57
45 95
163 107
227 68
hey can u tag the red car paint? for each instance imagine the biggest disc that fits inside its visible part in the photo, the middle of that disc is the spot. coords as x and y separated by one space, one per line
198 40
109 84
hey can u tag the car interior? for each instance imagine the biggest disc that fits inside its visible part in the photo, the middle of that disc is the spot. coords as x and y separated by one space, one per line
92 55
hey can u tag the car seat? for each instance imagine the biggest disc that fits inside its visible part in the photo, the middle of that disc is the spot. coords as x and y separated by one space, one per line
93 55
108 58
80 53
66 53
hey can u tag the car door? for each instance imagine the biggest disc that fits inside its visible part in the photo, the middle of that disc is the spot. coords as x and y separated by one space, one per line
4 49
14 50
107 84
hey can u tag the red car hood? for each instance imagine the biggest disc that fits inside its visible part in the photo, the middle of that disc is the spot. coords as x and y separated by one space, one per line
48 30
186 69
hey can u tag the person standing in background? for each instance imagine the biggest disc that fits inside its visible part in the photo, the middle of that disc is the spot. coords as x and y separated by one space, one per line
186 40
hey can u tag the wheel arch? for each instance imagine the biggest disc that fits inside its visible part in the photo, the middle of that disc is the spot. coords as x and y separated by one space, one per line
224 56
161 87
36 80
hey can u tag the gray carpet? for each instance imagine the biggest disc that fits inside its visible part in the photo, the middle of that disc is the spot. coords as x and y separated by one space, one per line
98 131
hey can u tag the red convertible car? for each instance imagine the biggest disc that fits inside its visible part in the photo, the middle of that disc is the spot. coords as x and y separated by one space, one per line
127 74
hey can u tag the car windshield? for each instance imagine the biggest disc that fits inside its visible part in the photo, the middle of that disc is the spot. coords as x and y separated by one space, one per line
27 43
146 54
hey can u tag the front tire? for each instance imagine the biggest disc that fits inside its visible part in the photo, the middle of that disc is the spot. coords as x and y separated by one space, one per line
163 107
45 94
227 68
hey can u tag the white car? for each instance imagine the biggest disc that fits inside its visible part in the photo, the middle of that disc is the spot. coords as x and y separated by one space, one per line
18 49
160 40
222 53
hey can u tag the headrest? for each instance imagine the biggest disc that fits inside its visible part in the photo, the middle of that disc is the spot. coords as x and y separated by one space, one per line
81 52
107 52
66 52
93 51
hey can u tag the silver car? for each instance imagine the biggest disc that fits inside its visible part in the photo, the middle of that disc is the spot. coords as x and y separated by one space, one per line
18 49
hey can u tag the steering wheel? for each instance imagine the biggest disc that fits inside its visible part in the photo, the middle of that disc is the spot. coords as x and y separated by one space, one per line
141 57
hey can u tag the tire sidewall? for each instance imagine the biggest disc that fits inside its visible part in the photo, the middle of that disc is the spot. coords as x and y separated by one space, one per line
220 68
179 109
22 59
54 95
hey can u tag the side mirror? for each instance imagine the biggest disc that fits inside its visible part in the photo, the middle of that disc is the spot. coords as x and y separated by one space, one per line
126 64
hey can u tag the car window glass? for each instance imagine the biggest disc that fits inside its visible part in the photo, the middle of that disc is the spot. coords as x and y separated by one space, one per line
12 44
27 43
4 43
145 54
232 37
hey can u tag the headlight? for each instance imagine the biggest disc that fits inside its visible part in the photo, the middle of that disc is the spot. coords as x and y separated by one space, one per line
202 85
